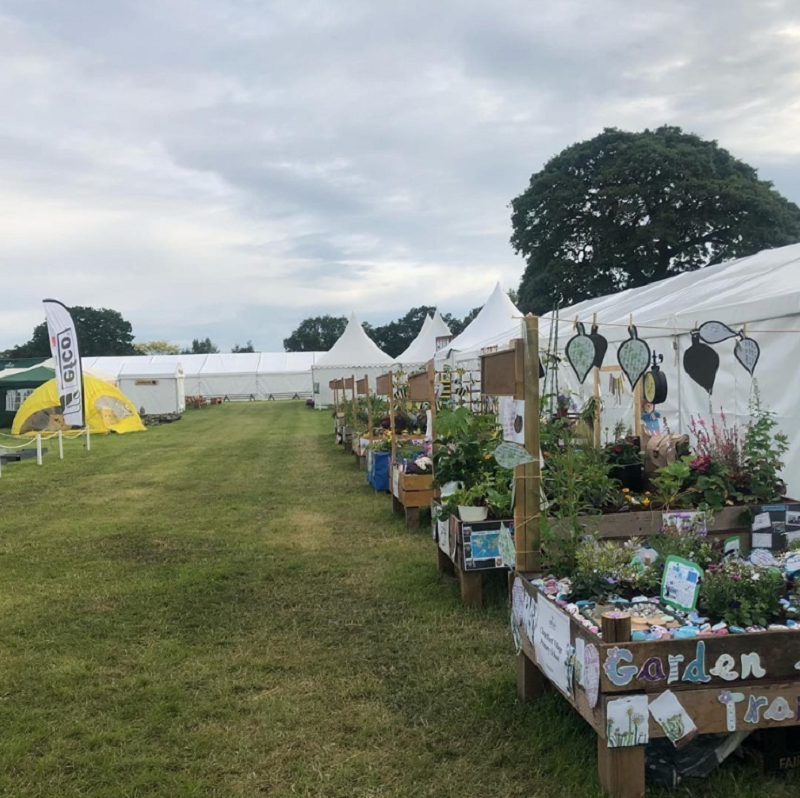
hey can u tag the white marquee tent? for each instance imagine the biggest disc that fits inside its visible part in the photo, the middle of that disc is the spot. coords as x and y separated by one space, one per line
354 354
761 291
498 323
423 347
155 389
238 376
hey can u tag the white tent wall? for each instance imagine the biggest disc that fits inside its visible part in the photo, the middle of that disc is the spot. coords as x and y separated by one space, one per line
237 375
154 389
762 291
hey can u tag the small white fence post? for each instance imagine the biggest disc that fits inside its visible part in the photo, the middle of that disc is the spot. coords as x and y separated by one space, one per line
88 440
60 446
38 449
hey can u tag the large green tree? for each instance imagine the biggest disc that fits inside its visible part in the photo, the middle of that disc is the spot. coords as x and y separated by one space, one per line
626 209
156 348
315 334
101 332
201 346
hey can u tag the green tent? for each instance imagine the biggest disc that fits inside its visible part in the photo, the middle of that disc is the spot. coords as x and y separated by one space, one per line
20 362
16 387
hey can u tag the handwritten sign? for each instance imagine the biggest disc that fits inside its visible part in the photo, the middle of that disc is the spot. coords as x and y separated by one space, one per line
551 644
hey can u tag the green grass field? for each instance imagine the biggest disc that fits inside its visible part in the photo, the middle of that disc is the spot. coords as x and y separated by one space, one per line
222 607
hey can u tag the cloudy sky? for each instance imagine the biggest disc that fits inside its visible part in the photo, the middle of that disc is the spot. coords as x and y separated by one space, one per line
229 167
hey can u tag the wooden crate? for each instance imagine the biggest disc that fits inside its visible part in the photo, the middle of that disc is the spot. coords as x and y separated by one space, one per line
410 492
725 683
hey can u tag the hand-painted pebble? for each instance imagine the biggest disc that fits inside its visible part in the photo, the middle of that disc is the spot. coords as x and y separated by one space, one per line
706 627
736 630
639 635
639 599
776 627
723 631
584 603
791 624
684 632
667 618
718 627
594 629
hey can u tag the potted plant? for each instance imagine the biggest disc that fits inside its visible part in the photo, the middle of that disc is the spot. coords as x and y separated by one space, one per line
471 503
625 460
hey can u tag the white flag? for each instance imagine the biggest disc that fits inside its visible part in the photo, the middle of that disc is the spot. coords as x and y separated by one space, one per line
66 360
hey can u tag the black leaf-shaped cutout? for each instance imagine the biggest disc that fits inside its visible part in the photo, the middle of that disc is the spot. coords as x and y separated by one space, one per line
600 346
701 363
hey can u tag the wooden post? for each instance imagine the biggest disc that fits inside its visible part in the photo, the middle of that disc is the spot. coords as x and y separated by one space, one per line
370 420
527 533
471 584
597 420
532 684
355 409
391 420
637 409
621 770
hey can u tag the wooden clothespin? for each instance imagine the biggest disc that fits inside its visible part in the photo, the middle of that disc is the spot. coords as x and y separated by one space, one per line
594 320
744 330
575 323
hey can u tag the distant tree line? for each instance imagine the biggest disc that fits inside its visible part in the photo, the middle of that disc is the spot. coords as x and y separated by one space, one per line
320 333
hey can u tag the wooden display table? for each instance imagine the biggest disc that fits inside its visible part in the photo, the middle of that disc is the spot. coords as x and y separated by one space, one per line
467 551
724 684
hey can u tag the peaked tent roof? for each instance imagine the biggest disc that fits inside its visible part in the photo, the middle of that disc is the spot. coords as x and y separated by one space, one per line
354 348
498 322
423 347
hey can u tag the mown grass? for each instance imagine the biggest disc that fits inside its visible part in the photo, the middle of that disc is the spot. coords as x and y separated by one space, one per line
223 608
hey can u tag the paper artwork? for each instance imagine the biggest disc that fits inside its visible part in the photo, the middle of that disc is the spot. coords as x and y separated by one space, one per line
551 641
591 674
680 584
668 712
627 722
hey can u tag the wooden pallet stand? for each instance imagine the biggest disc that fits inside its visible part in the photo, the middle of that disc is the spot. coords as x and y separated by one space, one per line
723 683
453 545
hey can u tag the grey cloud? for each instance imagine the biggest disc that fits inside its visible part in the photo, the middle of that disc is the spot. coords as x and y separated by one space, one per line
331 152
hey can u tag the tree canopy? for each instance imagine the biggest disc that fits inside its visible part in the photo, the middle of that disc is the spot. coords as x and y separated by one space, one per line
624 209
320 333
315 334
201 346
156 348
248 347
101 332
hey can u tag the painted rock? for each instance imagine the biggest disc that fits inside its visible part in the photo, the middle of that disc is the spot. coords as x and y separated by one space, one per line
723 631
791 624
639 635
736 630
685 632
718 627
594 629
777 627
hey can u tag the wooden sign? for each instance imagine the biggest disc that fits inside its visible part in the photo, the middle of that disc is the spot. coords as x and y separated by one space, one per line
383 385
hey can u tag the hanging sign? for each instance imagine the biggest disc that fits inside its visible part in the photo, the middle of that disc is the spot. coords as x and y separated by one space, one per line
654 386
633 356
581 353
701 363
511 455
551 644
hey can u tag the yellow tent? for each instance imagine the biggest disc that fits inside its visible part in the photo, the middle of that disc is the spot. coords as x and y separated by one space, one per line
107 410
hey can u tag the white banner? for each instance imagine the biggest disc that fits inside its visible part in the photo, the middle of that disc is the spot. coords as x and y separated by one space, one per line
66 361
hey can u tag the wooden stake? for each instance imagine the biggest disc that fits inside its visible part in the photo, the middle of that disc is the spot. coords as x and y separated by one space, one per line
596 393
528 477
370 420
355 410
391 419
